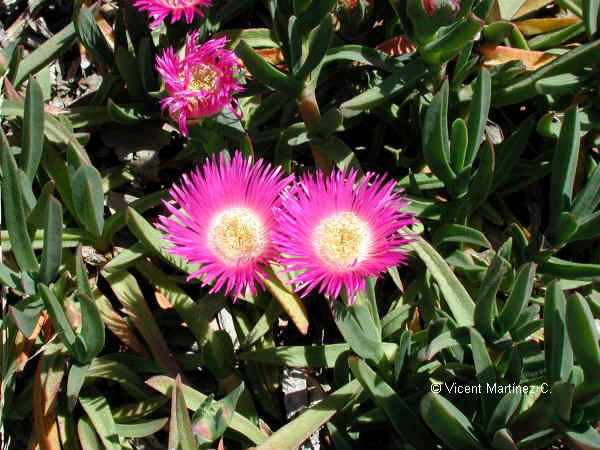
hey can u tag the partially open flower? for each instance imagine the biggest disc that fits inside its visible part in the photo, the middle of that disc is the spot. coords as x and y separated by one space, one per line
160 9
201 82
337 231
226 221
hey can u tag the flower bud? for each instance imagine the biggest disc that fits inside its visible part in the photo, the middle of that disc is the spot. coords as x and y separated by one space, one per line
428 16
354 15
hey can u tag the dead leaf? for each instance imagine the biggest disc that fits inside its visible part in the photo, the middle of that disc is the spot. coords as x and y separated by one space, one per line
162 301
495 55
530 6
272 56
23 344
531 27
398 45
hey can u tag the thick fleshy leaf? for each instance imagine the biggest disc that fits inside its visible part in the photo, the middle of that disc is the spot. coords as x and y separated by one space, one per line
518 299
291 435
33 128
61 324
37 216
26 313
212 418
436 144
557 351
127 290
152 239
403 419
184 425
318 44
52 253
480 107
404 78
194 399
132 412
523 87
485 307
583 335
98 411
265 72
91 37
503 412
185 306
88 198
278 284
309 356
14 210
585 437
45 53
448 423
591 12
128 68
87 435
359 331
563 167
77 374
141 429
457 298
92 327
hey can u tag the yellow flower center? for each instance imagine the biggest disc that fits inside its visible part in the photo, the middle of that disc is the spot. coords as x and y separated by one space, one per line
342 240
237 235
204 77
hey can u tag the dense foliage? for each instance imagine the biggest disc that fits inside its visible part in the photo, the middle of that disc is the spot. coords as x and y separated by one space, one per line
483 114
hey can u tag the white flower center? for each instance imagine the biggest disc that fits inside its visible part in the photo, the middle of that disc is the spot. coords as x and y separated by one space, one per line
204 77
237 235
342 240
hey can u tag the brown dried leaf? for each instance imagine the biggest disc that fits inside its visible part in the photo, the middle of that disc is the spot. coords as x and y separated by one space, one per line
398 45
272 56
494 55
532 27
530 6
162 301
23 344
46 384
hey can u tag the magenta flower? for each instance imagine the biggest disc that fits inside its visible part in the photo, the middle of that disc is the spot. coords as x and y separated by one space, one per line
226 221
202 82
337 231
160 9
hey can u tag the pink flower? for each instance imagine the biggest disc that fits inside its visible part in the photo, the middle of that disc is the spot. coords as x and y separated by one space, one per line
201 83
337 231
160 9
226 221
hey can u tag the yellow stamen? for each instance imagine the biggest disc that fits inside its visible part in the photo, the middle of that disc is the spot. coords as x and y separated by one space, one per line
342 239
204 77
237 235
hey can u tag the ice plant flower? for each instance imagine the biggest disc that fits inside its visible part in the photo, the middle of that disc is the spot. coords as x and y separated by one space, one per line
200 83
337 232
225 221
158 10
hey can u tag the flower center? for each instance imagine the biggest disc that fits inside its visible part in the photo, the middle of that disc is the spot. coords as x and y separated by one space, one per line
237 235
204 77
342 240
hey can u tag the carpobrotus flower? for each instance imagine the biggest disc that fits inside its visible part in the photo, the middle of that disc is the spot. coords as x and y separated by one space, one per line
226 220
338 232
202 82
160 9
